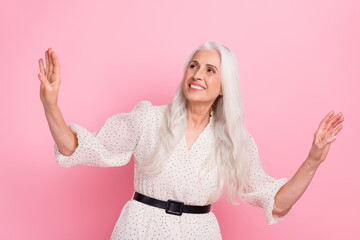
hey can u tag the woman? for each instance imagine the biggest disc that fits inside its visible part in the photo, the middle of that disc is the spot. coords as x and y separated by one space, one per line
184 152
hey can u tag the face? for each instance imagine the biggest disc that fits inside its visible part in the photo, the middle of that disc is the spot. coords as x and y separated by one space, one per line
202 83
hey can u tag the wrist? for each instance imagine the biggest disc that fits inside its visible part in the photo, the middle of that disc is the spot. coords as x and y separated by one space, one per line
312 163
50 108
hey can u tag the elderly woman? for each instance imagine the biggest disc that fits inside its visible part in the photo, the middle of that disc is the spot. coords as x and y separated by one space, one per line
184 152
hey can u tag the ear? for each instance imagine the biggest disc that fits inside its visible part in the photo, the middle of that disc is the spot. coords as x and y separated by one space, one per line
221 93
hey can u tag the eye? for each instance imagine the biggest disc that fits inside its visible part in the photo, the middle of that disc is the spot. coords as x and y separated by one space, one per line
192 65
211 70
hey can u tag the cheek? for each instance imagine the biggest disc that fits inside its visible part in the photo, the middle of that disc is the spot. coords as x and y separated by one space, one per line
214 82
187 74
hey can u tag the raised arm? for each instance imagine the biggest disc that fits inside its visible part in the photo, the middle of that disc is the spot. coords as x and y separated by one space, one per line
296 186
65 139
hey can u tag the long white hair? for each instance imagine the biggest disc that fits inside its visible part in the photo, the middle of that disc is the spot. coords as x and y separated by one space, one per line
229 152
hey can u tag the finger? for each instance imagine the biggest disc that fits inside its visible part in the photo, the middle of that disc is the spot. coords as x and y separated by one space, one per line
333 120
47 61
340 120
41 66
332 139
44 81
55 60
325 120
51 62
337 130
328 131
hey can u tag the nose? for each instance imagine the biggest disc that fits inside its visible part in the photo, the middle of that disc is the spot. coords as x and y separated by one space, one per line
199 74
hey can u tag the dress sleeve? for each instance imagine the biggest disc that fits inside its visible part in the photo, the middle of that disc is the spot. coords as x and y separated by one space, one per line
111 146
263 188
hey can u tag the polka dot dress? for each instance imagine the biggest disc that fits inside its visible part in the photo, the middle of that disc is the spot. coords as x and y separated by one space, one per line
183 178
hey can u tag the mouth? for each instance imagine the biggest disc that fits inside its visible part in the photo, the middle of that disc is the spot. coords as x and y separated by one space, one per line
196 87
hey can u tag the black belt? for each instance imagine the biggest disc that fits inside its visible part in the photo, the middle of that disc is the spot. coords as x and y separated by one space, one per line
171 206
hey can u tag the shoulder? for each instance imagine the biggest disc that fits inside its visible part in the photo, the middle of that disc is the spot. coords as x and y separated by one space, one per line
250 144
250 138
151 114
150 107
143 105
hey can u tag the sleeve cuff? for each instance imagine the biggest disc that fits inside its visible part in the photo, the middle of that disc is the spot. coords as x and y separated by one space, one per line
74 158
269 206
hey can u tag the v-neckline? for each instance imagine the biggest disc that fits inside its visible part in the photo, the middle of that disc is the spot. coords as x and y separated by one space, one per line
198 137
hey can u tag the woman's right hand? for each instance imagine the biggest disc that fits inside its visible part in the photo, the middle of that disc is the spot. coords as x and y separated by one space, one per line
50 79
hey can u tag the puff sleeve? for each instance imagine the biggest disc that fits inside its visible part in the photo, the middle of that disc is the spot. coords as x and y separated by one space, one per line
263 188
111 146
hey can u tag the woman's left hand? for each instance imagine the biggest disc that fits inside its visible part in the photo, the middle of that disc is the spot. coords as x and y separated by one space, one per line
326 134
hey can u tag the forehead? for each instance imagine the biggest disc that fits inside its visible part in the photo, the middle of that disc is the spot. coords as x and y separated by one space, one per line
207 57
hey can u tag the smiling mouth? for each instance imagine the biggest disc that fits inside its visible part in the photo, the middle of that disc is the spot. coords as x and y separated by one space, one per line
196 87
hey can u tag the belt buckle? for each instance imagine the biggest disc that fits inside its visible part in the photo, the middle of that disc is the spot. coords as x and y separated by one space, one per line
167 210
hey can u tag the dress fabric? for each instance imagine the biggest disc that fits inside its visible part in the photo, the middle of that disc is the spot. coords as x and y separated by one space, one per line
135 133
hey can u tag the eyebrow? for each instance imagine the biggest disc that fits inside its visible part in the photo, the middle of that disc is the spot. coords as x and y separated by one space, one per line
206 64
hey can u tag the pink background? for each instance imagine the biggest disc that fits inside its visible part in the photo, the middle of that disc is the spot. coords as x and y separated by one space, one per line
298 60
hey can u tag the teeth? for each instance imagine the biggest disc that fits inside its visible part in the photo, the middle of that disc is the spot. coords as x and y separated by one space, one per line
196 87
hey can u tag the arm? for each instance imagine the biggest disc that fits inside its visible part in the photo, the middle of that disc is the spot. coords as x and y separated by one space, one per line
262 187
112 145
64 138
296 186
49 89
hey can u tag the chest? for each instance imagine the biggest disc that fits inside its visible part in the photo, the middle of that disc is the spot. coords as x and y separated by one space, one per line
192 135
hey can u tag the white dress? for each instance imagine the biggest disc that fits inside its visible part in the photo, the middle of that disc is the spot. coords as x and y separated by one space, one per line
136 132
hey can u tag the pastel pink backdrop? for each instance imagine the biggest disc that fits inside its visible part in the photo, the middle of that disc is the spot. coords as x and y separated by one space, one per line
298 60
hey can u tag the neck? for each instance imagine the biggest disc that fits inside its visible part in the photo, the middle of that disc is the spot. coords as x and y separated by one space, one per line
197 114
